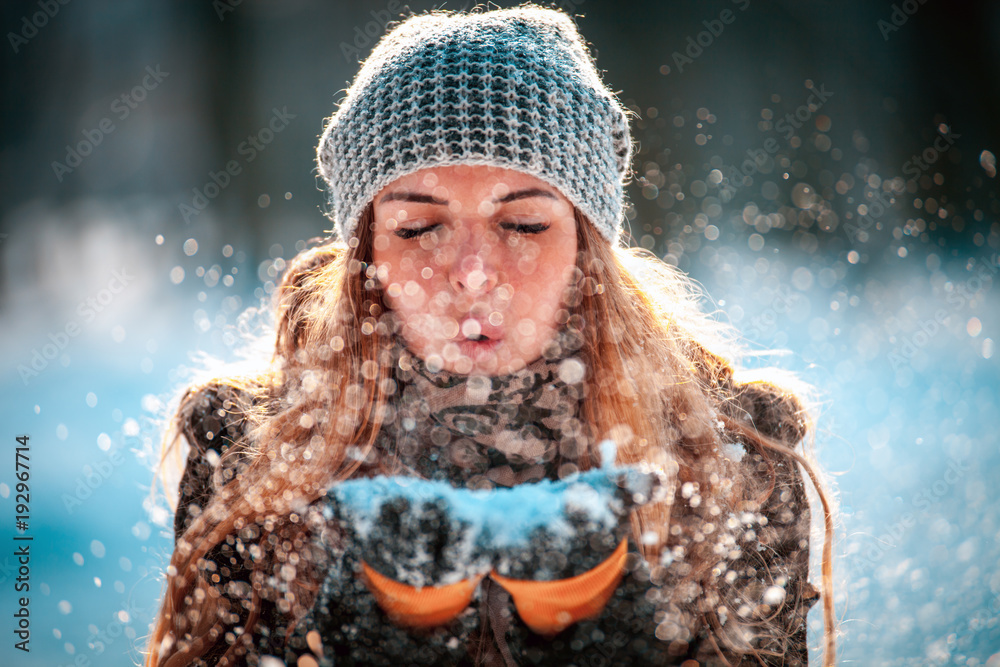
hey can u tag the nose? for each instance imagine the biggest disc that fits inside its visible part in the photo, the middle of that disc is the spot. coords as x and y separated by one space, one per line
473 271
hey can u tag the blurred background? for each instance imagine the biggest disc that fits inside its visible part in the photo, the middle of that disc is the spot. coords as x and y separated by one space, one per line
827 170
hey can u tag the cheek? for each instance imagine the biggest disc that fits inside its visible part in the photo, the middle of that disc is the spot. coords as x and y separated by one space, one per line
542 273
422 267
443 255
539 293
537 307
418 291
406 298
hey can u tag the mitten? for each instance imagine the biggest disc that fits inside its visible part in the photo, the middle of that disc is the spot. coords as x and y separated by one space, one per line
410 555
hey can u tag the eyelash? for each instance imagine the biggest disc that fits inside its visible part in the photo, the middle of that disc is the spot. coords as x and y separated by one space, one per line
520 228
407 234
524 228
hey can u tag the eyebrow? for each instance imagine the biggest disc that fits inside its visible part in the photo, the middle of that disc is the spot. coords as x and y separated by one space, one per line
428 199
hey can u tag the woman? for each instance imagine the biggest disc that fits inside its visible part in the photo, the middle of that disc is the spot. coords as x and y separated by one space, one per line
480 327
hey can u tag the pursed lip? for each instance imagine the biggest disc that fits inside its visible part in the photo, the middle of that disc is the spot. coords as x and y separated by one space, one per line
479 350
486 331
482 346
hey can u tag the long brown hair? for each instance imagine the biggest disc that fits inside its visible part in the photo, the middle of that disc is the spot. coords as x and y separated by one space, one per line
653 385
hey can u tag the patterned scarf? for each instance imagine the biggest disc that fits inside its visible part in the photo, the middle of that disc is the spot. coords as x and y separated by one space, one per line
481 432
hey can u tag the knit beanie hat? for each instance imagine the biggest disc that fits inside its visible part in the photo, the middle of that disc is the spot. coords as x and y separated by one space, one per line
514 88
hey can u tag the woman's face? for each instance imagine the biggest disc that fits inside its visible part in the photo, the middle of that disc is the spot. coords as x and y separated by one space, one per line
474 261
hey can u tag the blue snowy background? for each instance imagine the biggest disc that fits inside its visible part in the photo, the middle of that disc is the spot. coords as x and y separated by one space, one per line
826 170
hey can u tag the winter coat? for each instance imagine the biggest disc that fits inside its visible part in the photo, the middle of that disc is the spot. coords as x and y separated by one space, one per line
352 629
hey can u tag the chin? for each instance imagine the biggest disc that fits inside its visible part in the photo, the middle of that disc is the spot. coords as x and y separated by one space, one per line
482 361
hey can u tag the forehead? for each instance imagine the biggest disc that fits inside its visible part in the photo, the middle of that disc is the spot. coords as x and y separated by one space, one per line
466 181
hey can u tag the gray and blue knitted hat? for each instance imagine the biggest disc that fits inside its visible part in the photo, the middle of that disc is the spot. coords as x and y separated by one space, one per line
513 88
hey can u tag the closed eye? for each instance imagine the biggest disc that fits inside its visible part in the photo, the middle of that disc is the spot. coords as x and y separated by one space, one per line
405 233
525 228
